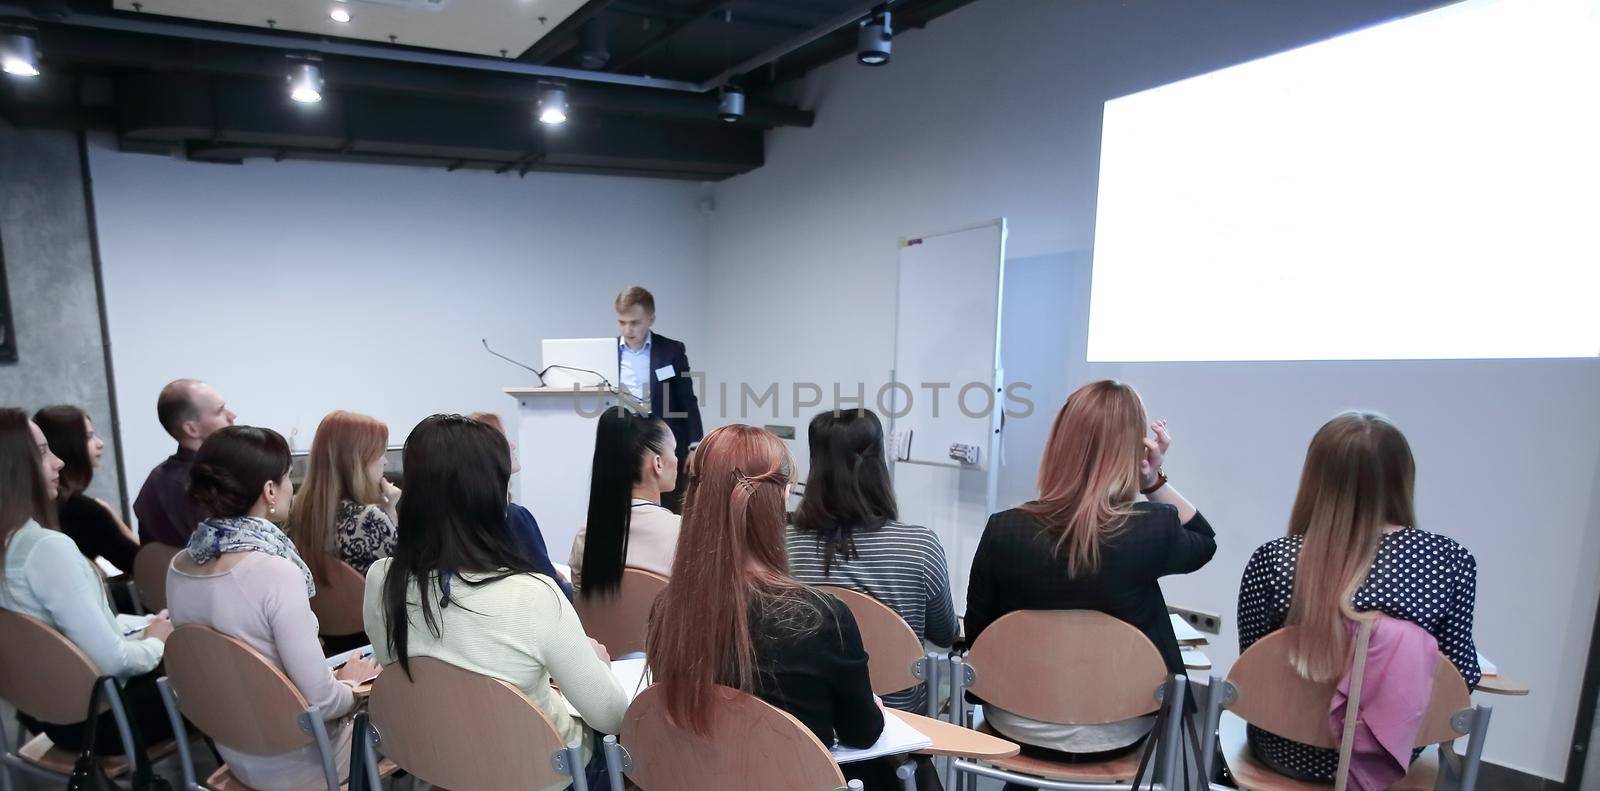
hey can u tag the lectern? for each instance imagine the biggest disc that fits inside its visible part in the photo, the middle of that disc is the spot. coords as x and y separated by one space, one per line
555 441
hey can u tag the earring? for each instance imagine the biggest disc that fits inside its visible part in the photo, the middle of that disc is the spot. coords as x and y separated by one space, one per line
271 509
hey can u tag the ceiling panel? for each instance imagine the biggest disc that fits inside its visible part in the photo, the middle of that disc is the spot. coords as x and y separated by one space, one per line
481 27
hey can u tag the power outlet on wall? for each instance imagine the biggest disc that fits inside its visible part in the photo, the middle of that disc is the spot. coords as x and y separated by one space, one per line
1207 622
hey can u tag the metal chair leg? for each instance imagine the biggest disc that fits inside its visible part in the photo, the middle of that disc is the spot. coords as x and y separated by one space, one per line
1480 731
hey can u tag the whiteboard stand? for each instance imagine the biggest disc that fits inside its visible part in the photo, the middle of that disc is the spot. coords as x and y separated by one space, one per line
947 330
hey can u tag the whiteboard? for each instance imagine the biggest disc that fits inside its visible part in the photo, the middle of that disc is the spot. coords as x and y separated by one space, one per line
947 332
947 329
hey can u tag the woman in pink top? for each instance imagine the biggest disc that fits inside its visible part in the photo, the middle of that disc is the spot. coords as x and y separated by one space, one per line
241 576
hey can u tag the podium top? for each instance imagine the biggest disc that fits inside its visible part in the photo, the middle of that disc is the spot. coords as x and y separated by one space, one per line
527 391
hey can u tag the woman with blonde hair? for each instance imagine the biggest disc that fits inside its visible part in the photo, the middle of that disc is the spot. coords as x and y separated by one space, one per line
1089 543
1353 546
346 509
734 617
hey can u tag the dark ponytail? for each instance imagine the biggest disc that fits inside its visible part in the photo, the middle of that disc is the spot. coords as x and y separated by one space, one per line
233 465
848 488
622 439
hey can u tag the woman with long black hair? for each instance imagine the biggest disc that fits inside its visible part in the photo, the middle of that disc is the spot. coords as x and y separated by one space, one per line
459 588
627 526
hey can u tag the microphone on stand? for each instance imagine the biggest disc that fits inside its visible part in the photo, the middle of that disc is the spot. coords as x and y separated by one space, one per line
604 382
536 372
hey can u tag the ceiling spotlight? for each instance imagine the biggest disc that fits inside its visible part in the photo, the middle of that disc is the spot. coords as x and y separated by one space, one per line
552 104
732 106
19 54
305 82
872 41
339 14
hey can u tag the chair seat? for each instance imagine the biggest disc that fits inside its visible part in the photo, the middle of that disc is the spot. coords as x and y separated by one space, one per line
43 753
1252 775
1116 770
224 780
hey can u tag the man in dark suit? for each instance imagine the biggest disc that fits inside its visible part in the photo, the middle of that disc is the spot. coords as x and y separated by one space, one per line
655 370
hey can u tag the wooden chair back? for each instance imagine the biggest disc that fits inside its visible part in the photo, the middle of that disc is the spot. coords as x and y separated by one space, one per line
337 604
893 650
1271 695
42 672
462 730
619 621
233 694
1072 667
752 745
150 574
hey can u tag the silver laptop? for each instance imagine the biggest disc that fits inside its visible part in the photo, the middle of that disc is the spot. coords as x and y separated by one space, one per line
585 362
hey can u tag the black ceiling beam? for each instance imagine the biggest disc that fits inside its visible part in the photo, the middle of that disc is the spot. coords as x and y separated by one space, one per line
77 47
695 14
564 36
227 119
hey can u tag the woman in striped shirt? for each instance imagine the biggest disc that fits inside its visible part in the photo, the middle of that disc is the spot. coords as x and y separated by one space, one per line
845 533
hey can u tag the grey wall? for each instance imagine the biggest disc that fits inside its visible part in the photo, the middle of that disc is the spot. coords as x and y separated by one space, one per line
49 262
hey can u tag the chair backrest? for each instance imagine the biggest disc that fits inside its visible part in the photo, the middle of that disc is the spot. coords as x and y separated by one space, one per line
1271 695
752 745
892 647
232 693
42 672
619 621
1072 667
337 604
150 574
462 730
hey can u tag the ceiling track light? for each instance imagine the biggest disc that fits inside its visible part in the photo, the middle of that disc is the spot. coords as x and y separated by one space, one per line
305 81
19 54
552 104
873 39
731 107
339 14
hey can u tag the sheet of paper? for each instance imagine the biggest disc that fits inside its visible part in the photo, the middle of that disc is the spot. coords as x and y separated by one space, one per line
105 565
133 624
631 674
897 738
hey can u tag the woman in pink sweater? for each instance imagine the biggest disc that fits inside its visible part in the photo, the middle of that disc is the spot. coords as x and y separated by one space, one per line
241 576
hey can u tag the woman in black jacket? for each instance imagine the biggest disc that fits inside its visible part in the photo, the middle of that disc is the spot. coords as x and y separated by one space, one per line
1088 543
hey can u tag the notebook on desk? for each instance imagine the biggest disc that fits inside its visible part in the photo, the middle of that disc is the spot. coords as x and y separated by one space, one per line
897 738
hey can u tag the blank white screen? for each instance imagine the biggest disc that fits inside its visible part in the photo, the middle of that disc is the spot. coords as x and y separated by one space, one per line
1425 188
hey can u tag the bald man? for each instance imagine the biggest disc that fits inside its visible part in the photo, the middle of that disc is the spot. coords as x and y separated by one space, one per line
190 410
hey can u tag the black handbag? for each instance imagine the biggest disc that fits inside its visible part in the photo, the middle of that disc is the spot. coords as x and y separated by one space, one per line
87 773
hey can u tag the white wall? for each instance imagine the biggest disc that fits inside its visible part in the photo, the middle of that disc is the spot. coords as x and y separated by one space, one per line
995 111
299 288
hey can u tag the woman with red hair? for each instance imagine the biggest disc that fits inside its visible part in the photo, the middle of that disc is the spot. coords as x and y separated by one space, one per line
734 617
346 509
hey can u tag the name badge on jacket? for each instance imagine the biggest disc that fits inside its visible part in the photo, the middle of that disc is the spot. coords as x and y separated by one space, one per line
664 373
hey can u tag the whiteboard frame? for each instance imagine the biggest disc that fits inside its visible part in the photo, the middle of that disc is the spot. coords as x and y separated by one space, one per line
990 464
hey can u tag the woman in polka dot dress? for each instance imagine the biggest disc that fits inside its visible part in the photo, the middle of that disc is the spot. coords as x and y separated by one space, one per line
1352 532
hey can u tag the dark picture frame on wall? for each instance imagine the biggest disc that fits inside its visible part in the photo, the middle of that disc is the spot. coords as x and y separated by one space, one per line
8 335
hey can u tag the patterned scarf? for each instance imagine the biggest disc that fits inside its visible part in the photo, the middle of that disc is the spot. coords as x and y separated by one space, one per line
245 534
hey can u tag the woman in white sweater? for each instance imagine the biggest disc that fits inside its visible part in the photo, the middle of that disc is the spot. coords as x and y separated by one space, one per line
459 589
46 577
241 576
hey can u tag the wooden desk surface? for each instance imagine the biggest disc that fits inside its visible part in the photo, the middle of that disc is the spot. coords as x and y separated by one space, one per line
955 740
1502 685
1194 659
